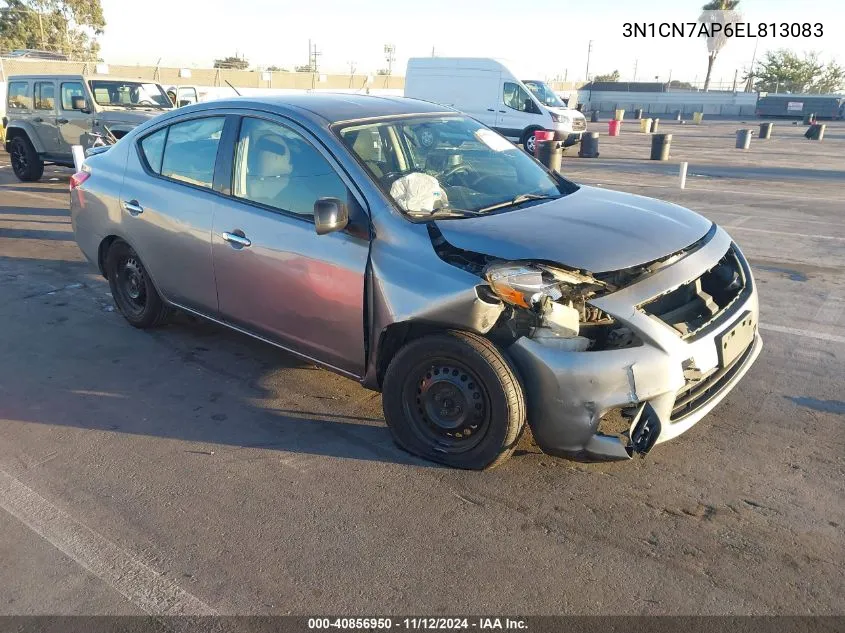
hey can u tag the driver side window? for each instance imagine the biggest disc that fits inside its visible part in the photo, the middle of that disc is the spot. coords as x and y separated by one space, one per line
516 97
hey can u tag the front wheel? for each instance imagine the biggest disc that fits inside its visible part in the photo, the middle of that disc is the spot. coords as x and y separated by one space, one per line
454 398
26 164
529 142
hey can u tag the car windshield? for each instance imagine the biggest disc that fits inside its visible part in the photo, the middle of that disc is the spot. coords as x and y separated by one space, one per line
544 94
449 166
129 94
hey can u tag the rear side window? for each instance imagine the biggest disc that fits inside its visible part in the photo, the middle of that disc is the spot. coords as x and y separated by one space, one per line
152 147
45 95
190 151
69 91
19 96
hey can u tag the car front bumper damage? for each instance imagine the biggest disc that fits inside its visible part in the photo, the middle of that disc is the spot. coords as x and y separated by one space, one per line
656 390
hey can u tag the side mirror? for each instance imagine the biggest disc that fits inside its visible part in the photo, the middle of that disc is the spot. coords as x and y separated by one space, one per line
184 102
330 214
78 103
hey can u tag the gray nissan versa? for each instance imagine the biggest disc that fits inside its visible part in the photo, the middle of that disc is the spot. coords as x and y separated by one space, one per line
476 290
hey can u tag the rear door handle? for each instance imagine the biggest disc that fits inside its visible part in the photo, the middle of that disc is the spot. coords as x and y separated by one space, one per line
133 207
238 241
61 121
491 109
503 111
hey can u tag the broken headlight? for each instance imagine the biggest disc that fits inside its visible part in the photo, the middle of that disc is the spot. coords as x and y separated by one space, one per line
556 297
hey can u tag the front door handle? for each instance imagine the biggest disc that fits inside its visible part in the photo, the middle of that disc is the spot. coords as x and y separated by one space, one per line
38 119
236 240
503 111
133 207
61 121
491 109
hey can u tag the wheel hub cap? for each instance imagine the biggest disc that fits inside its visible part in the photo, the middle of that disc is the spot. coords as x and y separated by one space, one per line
450 402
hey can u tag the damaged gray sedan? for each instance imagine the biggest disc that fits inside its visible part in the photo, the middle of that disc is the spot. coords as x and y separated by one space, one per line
411 248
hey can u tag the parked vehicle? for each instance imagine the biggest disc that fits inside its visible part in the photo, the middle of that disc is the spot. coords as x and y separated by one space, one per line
490 92
181 96
472 287
31 53
47 114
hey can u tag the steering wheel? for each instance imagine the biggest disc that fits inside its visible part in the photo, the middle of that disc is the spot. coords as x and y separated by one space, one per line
146 102
390 176
457 169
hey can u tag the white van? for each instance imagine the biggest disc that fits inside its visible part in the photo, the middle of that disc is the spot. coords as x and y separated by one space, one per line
488 91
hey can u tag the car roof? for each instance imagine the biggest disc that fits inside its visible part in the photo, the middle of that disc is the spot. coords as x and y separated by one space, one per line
334 107
78 76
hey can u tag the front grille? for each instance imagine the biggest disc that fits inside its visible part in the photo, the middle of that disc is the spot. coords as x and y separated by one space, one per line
697 393
579 125
705 302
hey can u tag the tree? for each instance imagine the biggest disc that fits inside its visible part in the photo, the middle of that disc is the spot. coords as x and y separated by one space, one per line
307 68
62 26
232 62
276 69
680 85
717 12
784 71
614 76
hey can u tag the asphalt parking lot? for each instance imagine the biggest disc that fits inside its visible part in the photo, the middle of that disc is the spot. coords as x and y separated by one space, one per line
193 470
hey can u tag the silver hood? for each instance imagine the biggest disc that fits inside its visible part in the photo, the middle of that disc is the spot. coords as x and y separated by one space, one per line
591 229
128 117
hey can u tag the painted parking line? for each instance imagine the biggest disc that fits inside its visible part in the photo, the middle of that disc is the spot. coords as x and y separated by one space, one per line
821 336
788 233
140 584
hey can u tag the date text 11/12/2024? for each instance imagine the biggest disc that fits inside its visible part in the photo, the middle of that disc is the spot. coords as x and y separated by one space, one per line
418 623
728 29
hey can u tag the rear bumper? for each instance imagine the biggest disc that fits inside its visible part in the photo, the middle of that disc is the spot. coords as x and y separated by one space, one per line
570 395
568 138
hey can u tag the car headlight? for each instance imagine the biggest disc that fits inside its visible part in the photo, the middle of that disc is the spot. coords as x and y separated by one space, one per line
557 297
560 118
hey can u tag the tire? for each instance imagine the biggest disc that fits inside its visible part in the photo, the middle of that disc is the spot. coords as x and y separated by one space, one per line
132 289
453 398
527 140
26 164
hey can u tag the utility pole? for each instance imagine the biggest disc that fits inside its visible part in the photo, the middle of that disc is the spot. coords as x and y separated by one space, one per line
736 76
636 63
351 72
589 50
389 57
41 26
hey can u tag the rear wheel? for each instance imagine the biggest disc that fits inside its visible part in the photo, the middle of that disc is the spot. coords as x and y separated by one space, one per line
454 398
26 164
132 289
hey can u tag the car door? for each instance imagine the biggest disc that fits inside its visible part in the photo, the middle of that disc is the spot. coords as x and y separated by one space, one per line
44 115
72 124
517 111
167 207
275 276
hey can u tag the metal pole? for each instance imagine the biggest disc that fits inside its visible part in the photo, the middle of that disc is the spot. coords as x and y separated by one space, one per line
589 50
41 26
636 62
683 175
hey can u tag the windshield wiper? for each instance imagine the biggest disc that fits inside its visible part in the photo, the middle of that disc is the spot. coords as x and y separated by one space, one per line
523 197
446 212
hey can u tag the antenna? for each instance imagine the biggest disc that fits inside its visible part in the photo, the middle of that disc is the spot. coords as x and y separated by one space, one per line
232 87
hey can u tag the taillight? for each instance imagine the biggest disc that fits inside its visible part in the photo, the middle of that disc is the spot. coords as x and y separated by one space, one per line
78 178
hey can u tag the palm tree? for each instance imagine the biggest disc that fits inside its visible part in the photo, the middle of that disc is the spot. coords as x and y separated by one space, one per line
727 13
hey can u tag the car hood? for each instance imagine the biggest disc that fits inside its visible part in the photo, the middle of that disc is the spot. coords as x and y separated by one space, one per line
128 117
570 112
591 229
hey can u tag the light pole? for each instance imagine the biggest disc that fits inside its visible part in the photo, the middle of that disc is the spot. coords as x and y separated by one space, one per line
589 50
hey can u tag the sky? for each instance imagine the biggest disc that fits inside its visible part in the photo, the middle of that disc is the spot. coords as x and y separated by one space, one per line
543 38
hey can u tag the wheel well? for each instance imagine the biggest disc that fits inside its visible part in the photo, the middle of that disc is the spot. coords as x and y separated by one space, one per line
395 337
530 130
102 252
14 133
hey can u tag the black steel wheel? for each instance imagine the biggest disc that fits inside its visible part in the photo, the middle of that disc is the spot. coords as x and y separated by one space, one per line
26 164
131 287
454 398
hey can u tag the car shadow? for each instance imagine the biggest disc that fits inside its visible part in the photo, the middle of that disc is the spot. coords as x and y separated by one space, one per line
74 362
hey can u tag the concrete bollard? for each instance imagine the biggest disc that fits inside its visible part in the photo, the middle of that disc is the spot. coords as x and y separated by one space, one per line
765 131
638 113
660 144
589 145
645 126
677 115
743 139
815 132
594 117
550 153
654 125
682 176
